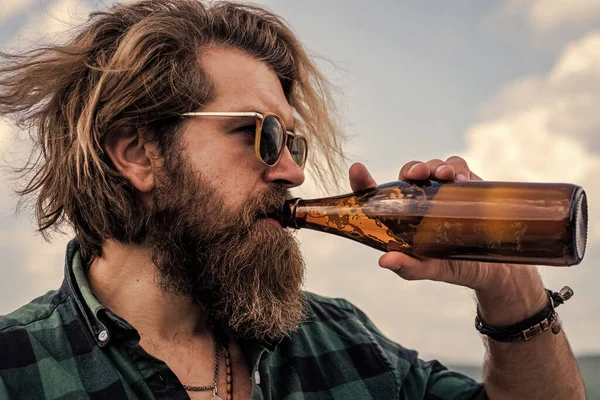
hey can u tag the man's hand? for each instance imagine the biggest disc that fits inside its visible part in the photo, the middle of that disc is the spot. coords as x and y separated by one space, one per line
543 367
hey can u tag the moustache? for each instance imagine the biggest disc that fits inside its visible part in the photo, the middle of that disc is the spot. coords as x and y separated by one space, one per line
262 205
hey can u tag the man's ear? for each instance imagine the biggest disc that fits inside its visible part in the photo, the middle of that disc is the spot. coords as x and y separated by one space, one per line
133 155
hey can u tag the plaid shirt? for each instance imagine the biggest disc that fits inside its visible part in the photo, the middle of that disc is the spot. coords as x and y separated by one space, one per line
66 345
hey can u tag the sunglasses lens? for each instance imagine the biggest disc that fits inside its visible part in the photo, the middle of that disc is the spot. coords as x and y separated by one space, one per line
298 150
271 140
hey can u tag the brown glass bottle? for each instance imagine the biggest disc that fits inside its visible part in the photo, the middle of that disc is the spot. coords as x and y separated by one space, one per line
509 222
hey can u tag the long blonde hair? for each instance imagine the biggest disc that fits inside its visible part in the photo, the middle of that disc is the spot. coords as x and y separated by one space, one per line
136 64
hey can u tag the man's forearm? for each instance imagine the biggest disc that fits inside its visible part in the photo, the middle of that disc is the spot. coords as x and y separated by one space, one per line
543 367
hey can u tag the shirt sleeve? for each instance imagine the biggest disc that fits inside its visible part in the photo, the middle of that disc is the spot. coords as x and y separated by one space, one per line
422 379
432 380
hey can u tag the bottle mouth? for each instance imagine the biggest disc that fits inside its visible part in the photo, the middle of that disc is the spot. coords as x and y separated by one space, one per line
581 225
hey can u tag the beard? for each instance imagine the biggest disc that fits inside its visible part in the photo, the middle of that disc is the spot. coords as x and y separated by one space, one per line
245 270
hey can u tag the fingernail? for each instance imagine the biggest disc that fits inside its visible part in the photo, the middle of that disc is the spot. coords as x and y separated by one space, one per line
440 169
414 167
461 177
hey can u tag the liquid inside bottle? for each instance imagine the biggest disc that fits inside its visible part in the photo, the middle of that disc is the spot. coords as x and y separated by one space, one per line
509 222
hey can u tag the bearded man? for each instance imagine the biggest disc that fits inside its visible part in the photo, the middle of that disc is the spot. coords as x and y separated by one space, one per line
164 132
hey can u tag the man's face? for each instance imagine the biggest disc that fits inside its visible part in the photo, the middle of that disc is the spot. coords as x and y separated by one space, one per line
215 146
208 236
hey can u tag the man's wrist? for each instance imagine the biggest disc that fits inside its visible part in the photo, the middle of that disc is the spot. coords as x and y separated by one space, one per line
517 294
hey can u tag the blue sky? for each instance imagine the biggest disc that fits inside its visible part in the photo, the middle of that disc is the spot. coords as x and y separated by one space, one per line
511 85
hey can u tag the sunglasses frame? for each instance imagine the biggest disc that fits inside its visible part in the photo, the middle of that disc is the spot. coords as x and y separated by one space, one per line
288 137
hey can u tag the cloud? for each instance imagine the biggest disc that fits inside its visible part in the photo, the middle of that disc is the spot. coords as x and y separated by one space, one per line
12 8
30 266
52 23
550 15
546 128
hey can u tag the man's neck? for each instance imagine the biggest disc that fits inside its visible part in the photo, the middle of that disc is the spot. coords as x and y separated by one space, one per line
124 281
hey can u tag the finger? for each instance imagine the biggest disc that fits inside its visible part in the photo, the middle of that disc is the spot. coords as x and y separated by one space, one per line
463 172
464 273
395 260
413 269
360 178
440 170
406 267
414 170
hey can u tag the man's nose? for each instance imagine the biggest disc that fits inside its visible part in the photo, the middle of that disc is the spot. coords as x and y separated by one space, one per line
286 172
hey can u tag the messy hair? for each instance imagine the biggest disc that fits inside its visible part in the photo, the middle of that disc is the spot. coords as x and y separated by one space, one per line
136 64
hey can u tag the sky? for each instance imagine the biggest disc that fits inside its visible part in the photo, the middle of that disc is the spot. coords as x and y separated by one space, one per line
513 86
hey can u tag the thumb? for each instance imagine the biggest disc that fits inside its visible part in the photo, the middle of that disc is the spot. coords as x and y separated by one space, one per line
360 178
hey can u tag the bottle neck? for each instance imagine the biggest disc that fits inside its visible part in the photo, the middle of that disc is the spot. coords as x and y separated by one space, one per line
286 214
293 213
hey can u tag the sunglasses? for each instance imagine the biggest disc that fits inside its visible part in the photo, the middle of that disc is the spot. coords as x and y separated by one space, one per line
271 137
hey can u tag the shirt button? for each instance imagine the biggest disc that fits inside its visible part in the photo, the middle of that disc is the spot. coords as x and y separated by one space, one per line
103 336
257 377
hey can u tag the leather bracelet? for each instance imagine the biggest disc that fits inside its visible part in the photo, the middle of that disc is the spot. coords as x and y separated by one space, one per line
545 319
